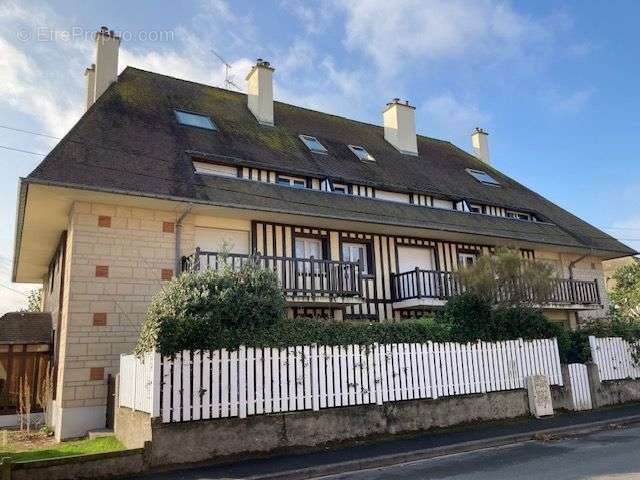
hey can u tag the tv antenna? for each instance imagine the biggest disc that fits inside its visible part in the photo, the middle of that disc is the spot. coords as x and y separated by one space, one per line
228 82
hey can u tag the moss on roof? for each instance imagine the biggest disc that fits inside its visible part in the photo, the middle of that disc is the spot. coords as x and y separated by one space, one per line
137 145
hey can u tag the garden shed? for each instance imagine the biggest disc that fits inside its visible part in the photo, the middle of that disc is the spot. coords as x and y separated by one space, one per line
25 352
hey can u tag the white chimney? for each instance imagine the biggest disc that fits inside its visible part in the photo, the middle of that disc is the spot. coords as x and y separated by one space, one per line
399 120
90 81
480 143
260 92
106 66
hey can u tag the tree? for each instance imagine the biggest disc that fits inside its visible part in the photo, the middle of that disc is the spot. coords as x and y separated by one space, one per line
34 300
626 293
505 278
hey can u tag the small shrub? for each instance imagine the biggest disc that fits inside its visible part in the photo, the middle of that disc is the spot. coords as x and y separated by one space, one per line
197 310
472 317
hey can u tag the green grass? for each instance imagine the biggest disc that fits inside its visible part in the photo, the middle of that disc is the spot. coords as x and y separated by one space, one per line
65 449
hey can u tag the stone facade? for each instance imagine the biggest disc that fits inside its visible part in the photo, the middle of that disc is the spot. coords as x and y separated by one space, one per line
117 259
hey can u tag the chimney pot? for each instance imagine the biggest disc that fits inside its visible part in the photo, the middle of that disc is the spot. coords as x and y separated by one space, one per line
260 91
399 119
480 144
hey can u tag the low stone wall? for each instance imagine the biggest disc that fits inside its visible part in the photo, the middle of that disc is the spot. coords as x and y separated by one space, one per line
133 428
101 465
611 392
208 440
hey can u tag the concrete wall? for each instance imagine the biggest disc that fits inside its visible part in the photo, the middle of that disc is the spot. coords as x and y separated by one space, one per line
188 442
122 464
611 392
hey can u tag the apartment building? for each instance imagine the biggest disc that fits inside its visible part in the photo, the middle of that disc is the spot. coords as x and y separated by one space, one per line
361 221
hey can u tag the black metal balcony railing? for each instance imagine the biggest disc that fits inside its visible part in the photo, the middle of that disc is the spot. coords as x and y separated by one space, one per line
434 284
298 276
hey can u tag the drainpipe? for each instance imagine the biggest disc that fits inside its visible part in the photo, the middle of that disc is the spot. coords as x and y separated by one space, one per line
179 237
575 262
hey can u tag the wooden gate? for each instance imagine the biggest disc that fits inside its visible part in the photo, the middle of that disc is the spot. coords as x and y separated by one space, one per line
580 391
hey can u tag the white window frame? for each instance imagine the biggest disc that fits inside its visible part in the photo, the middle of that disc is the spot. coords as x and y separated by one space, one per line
515 214
295 182
206 168
441 202
464 256
305 242
355 246
341 186
362 153
475 206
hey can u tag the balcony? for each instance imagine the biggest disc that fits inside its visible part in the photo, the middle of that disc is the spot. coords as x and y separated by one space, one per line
431 288
305 281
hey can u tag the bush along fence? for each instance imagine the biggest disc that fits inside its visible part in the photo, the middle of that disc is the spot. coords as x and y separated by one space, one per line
614 357
196 385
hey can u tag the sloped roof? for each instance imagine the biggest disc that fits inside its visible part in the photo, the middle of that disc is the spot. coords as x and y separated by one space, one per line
25 328
129 141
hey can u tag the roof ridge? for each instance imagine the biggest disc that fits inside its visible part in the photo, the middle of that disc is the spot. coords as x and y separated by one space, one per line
362 122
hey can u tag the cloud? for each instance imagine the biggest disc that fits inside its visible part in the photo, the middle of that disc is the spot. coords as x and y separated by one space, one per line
315 17
570 103
392 33
627 231
12 296
445 116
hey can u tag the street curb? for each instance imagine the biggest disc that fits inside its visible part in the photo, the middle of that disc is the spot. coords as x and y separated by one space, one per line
425 454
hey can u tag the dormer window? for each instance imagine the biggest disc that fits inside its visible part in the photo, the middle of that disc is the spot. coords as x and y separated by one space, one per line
483 177
361 153
194 120
313 144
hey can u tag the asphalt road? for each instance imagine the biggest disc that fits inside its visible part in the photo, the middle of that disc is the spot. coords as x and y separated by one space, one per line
609 454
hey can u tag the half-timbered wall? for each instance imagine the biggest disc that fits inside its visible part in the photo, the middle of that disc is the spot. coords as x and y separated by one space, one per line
279 240
269 176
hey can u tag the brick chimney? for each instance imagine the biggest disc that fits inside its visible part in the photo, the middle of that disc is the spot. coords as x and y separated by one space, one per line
105 70
480 143
399 119
260 92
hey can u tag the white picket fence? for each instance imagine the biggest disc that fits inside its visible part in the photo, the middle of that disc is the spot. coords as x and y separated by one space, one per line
614 358
135 389
253 381
580 391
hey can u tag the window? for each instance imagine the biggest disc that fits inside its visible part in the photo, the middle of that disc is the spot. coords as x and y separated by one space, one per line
361 153
308 247
313 144
195 120
291 181
475 208
483 177
340 188
466 259
392 196
355 252
518 215
440 203
215 169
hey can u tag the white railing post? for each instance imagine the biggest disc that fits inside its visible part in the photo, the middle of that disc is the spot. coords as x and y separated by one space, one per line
156 383
315 381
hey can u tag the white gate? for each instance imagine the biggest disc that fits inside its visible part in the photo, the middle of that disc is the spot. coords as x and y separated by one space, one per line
580 392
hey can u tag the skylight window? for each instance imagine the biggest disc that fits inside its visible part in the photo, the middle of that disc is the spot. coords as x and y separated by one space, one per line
195 120
313 144
361 153
483 177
